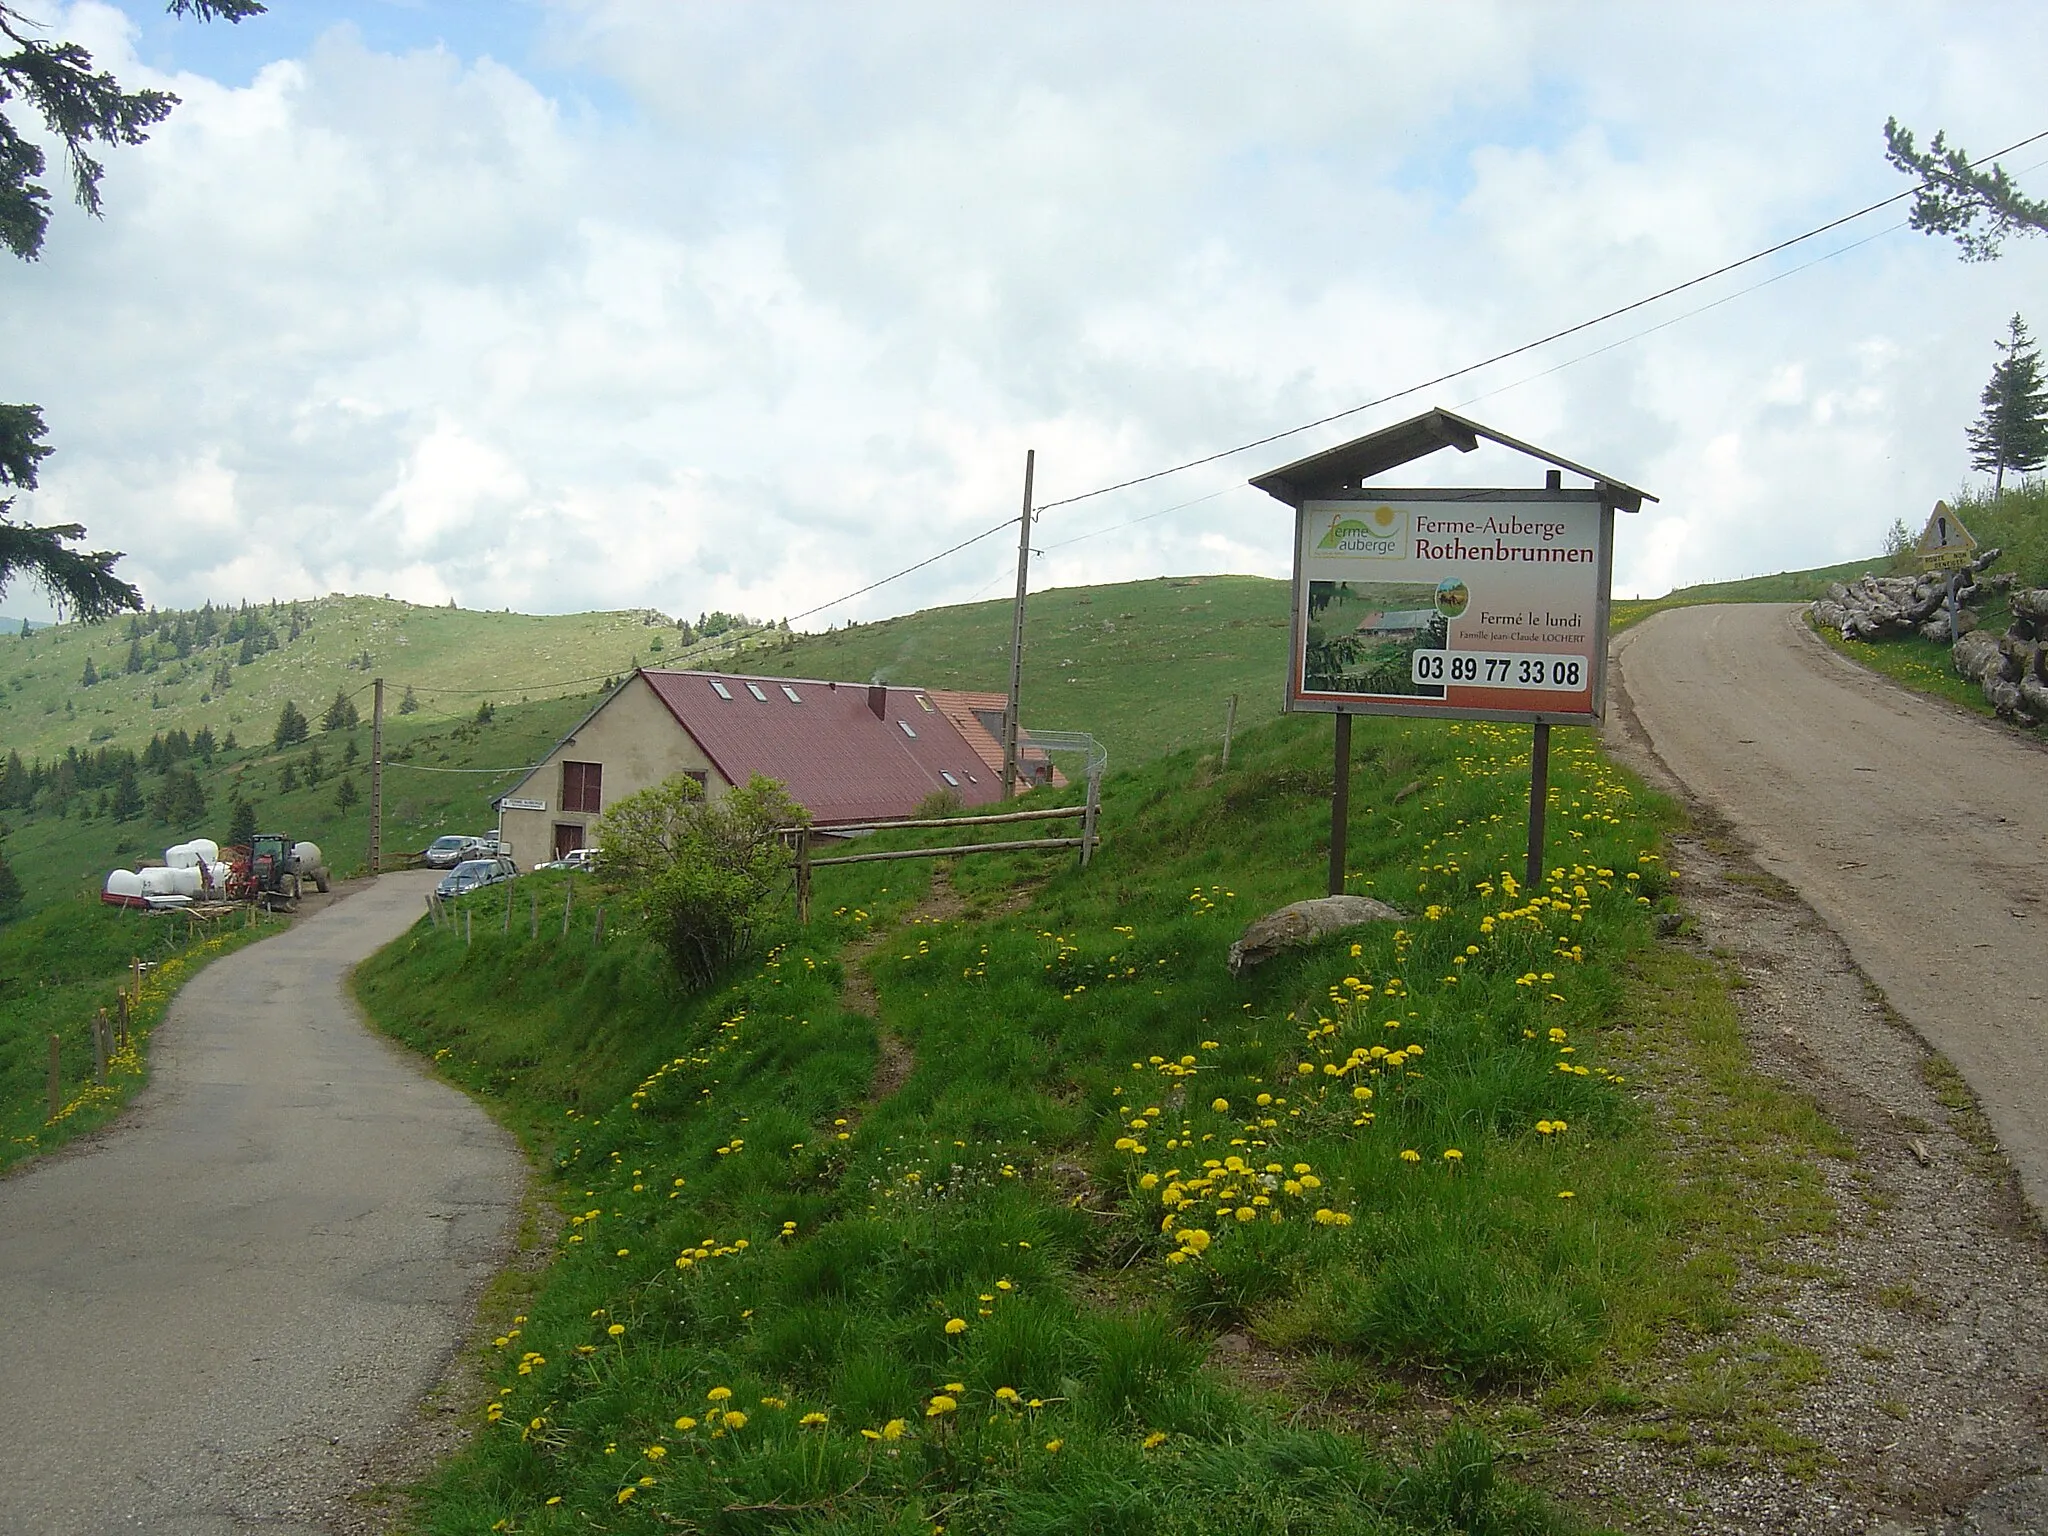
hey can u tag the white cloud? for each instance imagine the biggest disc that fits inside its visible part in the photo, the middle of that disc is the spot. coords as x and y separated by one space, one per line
782 311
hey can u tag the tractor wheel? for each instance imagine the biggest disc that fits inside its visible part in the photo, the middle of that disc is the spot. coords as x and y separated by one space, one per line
320 880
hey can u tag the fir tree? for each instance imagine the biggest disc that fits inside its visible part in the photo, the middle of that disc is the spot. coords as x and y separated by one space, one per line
10 891
408 705
203 744
288 778
2012 431
135 657
484 713
91 676
341 714
241 823
127 797
345 793
291 726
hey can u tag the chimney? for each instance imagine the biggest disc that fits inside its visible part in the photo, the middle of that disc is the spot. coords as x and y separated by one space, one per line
878 700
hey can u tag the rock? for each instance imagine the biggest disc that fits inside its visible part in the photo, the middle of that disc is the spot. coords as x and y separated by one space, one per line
1302 923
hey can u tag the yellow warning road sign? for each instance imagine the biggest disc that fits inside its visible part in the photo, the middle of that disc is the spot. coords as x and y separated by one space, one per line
1945 544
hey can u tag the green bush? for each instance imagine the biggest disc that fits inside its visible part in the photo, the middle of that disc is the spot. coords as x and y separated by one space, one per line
700 873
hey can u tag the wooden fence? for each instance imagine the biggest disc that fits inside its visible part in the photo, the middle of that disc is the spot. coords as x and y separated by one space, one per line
1087 842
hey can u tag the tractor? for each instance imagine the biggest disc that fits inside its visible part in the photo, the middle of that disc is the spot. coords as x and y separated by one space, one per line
275 871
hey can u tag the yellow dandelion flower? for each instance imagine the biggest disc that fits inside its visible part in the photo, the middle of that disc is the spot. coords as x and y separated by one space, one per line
956 1325
719 1394
812 1420
1156 1439
734 1419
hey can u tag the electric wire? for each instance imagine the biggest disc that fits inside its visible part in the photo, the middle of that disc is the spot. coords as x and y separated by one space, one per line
1528 346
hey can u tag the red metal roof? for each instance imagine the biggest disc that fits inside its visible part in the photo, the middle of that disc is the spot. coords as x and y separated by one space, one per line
827 746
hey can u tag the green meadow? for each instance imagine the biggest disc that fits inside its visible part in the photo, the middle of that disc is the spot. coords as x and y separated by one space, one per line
993 1202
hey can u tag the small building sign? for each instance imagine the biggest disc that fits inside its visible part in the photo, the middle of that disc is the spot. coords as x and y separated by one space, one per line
1462 604
522 805
1469 604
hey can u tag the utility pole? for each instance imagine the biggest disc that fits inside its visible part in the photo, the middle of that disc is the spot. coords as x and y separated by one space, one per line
1017 634
377 778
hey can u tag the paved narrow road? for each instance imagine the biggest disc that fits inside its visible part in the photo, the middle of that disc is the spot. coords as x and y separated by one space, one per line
210 1313
1918 833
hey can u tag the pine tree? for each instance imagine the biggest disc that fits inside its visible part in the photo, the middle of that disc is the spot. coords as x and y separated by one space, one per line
408 705
10 891
345 793
127 796
241 823
291 726
135 657
341 714
288 778
91 676
2012 431
203 744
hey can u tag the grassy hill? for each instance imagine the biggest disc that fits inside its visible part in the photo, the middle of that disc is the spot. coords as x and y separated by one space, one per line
1005 1207
452 658
1144 666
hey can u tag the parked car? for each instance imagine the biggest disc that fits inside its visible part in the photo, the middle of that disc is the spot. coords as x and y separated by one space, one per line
447 852
584 859
475 874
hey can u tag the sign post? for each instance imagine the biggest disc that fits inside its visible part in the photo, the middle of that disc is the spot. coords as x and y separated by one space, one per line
1946 545
1457 604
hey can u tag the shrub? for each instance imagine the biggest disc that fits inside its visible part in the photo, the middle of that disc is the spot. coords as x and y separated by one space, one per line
699 872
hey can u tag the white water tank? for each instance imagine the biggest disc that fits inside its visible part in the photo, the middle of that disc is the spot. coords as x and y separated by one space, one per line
305 858
124 882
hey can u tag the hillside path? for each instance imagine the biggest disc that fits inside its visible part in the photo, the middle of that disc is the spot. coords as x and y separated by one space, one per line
1917 832
215 1310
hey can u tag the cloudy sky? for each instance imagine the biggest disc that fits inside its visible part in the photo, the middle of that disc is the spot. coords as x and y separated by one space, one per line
570 304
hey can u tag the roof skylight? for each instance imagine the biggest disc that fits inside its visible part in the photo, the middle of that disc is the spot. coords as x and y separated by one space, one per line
791 694
949 778
755 690
720 689
904 726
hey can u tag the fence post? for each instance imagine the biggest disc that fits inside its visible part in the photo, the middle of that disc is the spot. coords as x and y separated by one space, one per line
533 918
56 1076
597 933
99 1046
1229 725
121 1012
803 875
1088 818
508 908
568 901
468 926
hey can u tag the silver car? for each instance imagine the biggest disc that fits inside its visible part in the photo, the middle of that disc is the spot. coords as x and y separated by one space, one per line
475 874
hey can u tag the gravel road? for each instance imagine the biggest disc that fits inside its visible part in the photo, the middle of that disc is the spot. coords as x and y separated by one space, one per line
216 1310
1919 833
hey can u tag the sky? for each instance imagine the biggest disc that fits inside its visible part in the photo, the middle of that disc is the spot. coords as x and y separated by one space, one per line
557 305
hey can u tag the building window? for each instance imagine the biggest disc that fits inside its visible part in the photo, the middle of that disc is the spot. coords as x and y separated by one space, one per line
720 689
904 726
582 786
699 777
755 690
790 694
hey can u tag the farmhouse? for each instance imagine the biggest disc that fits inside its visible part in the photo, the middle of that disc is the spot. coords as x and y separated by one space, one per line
847 752
1396 623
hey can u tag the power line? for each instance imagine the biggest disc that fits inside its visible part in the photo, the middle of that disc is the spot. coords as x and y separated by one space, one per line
1529 346
1442 378
849 597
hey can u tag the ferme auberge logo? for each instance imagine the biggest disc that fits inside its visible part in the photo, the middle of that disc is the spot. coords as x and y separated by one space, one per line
1373 533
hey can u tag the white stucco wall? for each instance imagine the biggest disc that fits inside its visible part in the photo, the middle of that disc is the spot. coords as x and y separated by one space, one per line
638 744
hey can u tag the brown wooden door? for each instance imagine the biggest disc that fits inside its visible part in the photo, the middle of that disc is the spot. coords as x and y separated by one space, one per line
567 838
